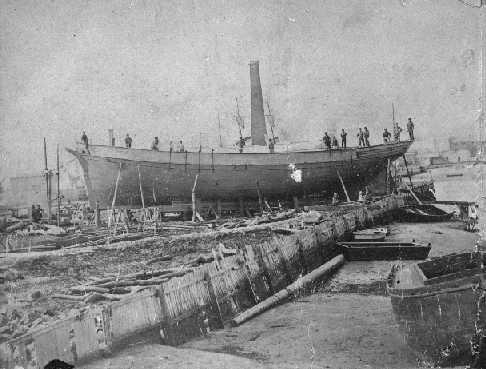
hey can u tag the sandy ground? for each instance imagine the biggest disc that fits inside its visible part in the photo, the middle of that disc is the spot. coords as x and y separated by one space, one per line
347 324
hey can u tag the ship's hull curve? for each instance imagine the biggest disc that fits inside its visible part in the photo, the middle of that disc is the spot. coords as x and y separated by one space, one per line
162 177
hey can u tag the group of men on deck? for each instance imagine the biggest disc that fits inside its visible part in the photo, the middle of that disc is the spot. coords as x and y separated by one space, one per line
364 136
129 140
329 143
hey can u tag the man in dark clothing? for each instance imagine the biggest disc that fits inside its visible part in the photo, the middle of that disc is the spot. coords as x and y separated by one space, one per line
241 144
155 144
271 145
360 138
128 141
410 127
343 138
327 141
84 140
386 136
366 135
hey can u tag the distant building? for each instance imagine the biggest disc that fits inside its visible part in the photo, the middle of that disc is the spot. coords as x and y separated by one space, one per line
473 146
25 191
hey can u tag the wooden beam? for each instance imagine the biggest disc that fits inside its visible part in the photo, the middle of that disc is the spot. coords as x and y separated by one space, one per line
344 187
114 197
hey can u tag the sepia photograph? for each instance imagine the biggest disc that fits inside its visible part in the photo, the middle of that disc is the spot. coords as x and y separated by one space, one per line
219 184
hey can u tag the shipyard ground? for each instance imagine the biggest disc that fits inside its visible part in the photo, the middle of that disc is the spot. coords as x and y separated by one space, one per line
347 324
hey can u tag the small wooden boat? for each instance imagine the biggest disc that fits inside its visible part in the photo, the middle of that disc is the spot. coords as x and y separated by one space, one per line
370 235
436 304
423 213
384 250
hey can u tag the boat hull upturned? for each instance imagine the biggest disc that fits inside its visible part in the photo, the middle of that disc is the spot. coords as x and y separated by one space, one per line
436 305
166 176
384 250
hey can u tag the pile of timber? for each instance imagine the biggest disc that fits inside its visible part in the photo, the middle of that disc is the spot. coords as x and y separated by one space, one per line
115 287
263 219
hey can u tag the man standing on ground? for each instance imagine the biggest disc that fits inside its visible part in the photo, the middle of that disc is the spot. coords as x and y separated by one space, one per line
128 141
366 135
180 146
343 138
410 128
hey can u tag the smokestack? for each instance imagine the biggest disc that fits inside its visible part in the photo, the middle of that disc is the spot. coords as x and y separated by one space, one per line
258 126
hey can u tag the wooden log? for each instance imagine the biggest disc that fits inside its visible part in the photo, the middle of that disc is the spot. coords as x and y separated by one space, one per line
324 270
120 290
96 280
67 297
86 289
95 297
158 259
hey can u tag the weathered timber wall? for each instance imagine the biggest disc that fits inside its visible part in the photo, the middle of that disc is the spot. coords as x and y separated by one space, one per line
191 305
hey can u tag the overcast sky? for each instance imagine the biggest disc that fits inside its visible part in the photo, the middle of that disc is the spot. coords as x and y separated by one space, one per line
167 68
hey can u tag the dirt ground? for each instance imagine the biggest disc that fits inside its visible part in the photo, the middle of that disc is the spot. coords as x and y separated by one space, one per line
347 324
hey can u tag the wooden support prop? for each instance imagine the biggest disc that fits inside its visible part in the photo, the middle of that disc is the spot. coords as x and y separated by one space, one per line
141 189
260 197
218 207
296 202
48 182
344 187
415 196
114 197
408 173
388 178
242 207
323 271
195 213
58 173
97 215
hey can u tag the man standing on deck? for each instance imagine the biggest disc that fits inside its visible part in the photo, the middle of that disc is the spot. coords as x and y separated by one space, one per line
155 144
128 142
360 138
327 141
84 140
366 135
396 131
386 136
271 145
343 138
410 128
180 146
335 143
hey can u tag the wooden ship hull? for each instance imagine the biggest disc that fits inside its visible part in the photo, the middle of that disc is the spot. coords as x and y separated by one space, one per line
424 214
161 177
438 306
384 251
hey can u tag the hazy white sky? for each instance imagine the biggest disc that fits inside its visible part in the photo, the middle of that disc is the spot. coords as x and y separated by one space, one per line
167 68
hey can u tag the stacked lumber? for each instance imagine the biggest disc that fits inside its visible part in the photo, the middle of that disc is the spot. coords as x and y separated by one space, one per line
115 287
